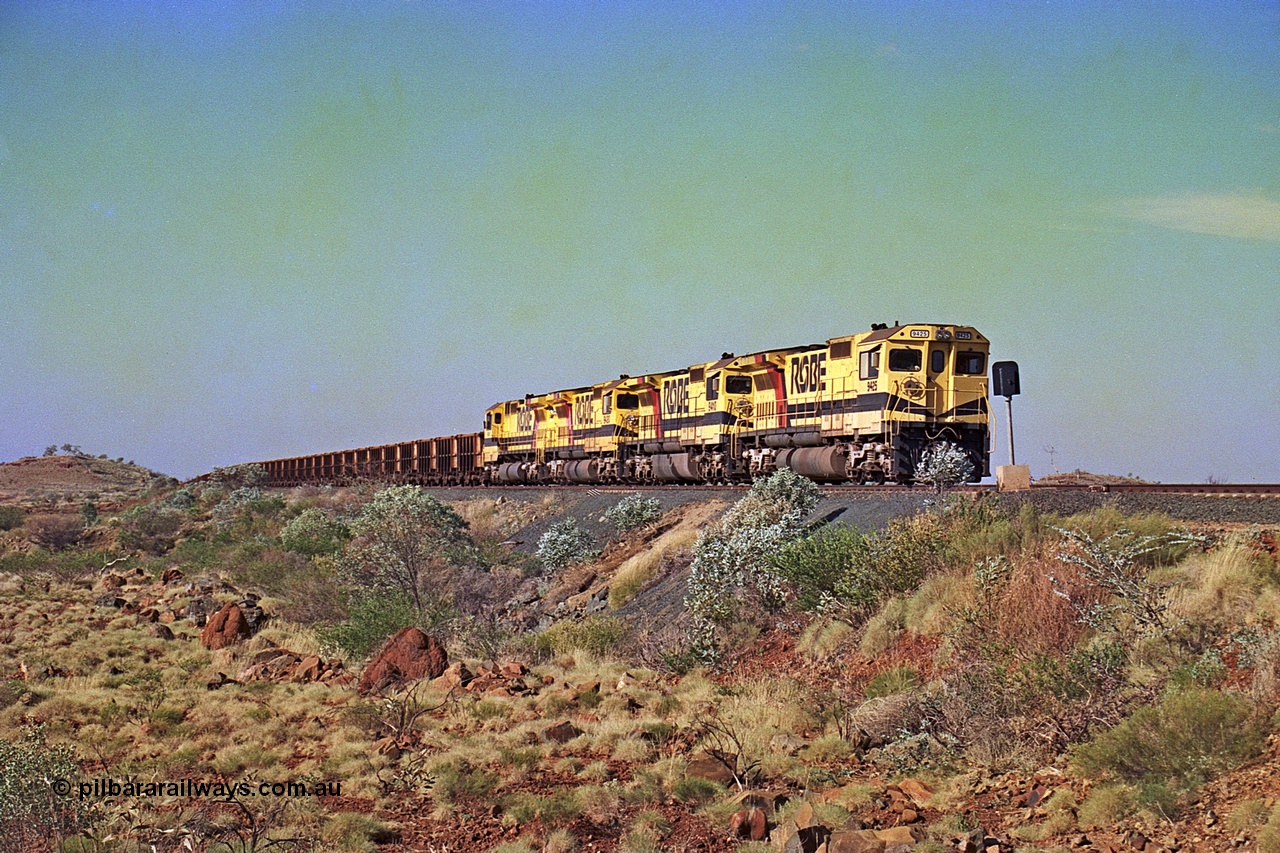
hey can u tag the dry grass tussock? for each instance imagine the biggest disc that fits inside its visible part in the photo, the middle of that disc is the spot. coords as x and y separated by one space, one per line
1218 587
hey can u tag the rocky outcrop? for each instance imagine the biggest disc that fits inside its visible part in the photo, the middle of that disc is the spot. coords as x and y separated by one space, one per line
408 656
225 628
282 665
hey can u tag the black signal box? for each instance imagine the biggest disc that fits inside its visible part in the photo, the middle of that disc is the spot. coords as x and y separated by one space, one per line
1004 379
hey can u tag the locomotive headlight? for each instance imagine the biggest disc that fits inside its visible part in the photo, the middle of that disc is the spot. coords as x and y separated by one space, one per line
944 335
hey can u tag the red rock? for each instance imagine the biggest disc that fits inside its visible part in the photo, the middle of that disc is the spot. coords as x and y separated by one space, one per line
225 628
387 746
749 824
854 841
160 632
514 669
307 670
408 656
170 575
917 791
562 732
712 769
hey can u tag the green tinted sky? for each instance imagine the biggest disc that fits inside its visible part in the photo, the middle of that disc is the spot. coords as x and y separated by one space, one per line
238 230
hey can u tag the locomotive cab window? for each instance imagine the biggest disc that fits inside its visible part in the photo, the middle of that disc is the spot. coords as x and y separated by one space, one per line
905 360
497 417
606 404
488 421
971 363
713 388
937 361
628 401
869 364
737 385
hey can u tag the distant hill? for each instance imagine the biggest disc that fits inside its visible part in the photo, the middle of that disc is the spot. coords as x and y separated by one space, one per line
38 478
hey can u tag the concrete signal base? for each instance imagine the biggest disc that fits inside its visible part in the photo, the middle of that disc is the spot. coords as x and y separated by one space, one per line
1013 478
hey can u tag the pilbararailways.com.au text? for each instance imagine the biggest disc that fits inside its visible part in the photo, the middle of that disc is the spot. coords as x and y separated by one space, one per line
101 789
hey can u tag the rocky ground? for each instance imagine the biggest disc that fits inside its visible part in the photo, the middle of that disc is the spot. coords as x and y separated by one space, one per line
49 480
551 747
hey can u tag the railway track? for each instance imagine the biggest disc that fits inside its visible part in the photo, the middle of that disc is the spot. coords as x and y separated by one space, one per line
1261 490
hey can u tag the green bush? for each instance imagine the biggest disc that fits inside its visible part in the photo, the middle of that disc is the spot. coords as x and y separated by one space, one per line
815 564
597 635
150 529
372 619
11 517
32 812
633 511
405 541
898 679
1189 738
564 544
894 561
312 533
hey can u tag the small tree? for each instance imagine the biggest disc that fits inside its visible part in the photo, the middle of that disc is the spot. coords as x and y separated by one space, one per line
943 464
403 537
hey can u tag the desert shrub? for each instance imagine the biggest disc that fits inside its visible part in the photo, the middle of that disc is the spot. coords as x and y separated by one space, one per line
54 532
597 635
238 476
1171 541
405 541
1022 606
898 679
565 544
633 511
895 561
1190 737
734 555
1217 588
182 498
11 517
815 564
1105 806
26 564
823 638
943 464
372 619
151 529
239 510
31 811
1121 595
452 779
312 533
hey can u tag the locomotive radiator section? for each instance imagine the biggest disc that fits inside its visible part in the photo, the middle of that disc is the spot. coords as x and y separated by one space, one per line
862 407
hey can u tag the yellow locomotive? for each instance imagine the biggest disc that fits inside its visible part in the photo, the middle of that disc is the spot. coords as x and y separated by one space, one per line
861 407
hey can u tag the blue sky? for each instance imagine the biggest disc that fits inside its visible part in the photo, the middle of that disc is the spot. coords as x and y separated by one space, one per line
234 231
